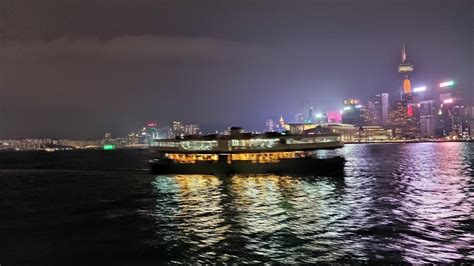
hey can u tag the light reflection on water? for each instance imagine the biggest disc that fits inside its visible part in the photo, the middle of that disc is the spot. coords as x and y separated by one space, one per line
396 203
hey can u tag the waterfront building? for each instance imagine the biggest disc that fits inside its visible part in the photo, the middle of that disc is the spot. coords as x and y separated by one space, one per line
373 134
298 128
349 133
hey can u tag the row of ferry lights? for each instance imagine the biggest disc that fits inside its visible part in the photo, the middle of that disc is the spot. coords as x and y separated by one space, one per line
240 142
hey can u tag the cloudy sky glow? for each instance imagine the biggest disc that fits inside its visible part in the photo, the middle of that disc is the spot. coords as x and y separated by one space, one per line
77 69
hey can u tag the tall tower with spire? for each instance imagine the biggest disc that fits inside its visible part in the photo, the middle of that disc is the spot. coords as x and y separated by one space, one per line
406 68
406 117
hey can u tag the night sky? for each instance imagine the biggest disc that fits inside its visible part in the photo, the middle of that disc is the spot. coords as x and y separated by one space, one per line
80 68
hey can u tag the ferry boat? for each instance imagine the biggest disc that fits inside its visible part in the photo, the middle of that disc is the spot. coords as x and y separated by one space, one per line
241 152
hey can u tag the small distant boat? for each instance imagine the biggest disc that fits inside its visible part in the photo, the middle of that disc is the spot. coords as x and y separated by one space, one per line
247 153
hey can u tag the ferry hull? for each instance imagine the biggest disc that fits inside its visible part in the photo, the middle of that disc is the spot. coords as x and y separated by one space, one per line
286 166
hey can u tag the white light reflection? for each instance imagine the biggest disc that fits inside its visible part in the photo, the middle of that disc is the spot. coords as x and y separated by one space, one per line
434 203
196 217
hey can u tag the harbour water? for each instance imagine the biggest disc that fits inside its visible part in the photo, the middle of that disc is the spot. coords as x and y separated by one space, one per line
396 203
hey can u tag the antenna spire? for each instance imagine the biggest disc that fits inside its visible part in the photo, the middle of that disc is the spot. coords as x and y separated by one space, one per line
404 54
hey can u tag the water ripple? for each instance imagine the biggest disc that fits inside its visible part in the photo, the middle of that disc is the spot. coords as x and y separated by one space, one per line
396 203
409 203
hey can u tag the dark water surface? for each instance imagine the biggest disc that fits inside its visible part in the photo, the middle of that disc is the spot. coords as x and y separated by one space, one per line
397 203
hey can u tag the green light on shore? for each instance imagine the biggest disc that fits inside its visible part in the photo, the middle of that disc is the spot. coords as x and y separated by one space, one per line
109 147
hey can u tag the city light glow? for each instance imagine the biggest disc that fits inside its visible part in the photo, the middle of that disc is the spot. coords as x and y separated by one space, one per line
419 89
410 110
446 84
319 115
448 101
347 108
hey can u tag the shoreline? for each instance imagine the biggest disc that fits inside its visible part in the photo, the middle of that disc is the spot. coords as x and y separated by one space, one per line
406 141
149 148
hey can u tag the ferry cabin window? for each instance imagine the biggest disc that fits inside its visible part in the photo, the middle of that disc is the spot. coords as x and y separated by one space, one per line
198 145
165 144
313 140
253 143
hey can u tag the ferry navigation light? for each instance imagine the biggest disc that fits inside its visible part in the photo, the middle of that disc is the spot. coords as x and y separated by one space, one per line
446 84
450 100
419 89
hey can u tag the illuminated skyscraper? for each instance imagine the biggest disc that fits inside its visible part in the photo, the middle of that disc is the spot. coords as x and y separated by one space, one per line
310 118
410 127
368 109
282 122
403 125
381 109
353 113
406 68
179 129
450 120
148 133
427 118
334 117
191 129
269 125
152 130
320 118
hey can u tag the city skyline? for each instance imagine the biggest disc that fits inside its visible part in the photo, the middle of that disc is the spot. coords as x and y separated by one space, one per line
68 80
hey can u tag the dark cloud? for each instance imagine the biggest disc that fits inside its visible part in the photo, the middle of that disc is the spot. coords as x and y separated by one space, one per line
138 47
